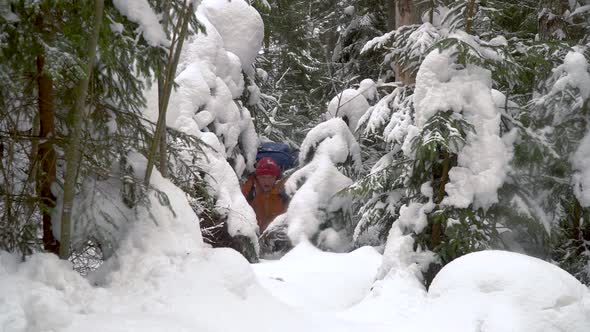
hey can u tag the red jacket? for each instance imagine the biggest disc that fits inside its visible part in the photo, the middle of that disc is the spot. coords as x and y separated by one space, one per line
266 205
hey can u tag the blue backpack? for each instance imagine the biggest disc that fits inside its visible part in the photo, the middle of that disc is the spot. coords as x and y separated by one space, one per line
280 153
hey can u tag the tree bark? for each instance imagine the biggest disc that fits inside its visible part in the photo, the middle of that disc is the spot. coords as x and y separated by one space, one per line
469 18
403 16
391 18
440 195
73 148
163 160
46 156
550 21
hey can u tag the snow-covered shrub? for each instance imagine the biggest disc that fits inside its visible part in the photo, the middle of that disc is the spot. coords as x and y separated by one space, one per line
560 118
473 150
437 185
207 105
352 104
316 209
106 209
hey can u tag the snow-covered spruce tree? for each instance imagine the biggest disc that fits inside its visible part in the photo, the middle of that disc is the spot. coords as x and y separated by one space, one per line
561 117
360 21
130 45
43 47
317 211
428 163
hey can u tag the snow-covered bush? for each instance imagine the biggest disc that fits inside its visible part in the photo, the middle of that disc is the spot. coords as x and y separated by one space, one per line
352 104
207 105
107 209
560 119
316 209
446 160
470 165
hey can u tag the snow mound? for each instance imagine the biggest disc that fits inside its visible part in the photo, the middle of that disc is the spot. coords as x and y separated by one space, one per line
318 280
101 215
505 291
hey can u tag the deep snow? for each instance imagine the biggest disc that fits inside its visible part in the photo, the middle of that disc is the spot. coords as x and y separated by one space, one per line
307 290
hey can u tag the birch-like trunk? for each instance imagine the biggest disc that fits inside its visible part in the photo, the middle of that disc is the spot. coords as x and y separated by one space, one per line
162 153
178 37
72 153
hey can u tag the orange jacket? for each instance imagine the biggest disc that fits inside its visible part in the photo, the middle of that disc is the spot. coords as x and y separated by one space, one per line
266 205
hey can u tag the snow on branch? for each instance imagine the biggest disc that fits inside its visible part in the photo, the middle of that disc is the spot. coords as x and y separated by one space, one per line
140 12
338 153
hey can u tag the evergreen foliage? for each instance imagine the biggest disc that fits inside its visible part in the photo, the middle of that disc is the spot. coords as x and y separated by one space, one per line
536 201
114 126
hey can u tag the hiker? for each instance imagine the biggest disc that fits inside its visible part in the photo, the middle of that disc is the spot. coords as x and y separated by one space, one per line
265 193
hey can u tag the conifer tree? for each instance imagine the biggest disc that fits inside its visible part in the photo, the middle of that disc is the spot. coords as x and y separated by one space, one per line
416 178
112 128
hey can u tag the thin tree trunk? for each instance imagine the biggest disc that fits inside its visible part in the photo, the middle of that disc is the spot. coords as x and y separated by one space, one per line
437 227
46 154
431 12
73 149
469 18
576 216
175 48
391 17
403 16
161 79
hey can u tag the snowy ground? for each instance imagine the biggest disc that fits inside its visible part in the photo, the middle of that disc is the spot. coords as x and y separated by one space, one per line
307 290
162 277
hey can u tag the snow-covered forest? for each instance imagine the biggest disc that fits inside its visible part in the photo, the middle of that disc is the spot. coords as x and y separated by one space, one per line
440 175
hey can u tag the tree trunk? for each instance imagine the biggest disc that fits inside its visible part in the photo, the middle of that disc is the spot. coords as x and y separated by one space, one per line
431 12
175 48
440 195
73 149
391 4
576 217
403 16
46 154
163 164
550 20
469 18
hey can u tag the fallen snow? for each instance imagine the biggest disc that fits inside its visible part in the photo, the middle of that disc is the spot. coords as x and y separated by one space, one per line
208 289
288 279
504 291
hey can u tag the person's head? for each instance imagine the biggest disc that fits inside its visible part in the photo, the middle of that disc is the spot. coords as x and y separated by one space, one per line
267 173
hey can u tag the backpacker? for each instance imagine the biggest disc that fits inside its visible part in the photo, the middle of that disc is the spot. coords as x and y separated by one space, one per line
280 153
